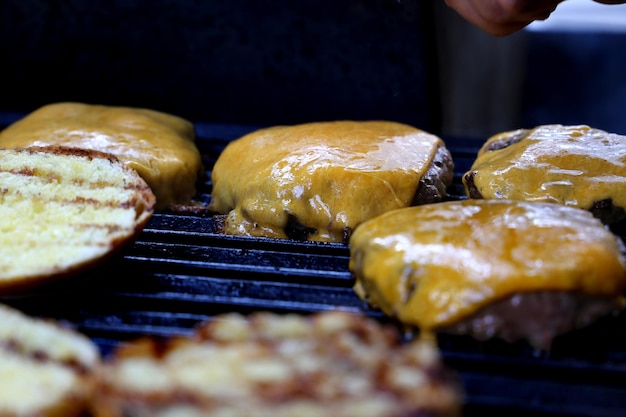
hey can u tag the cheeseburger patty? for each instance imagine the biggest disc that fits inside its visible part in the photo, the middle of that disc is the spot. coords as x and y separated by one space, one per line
578 166
318 181
490 268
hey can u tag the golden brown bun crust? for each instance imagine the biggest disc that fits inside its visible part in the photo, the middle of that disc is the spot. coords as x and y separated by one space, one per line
159 146
65 210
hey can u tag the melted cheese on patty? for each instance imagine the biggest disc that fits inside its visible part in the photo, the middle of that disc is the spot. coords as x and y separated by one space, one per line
436 264
572 165
328 176
159 146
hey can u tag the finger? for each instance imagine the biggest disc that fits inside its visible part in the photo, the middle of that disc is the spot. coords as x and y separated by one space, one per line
503 17
491 19
525 10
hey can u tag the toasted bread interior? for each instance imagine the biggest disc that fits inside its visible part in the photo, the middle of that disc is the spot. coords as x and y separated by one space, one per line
62 209
269 365
43 367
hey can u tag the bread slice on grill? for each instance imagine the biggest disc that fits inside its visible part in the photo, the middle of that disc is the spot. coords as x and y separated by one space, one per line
64 209
44 367
270 365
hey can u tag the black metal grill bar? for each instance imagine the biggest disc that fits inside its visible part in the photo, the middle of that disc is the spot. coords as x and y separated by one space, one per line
201 230
540 396
242 263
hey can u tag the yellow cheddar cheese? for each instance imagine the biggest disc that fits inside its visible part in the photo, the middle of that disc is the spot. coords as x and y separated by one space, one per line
326 176
436 264
571 165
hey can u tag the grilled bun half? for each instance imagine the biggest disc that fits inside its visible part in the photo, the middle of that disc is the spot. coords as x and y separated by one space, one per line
490 268
159 146
270 365
578 166
318 181
44 367
64 209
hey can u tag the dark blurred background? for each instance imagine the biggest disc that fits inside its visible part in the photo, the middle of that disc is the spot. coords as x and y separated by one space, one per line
262 63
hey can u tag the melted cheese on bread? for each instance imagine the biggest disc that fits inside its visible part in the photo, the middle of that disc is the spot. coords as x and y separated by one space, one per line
572 165
436 264
328 176
159 146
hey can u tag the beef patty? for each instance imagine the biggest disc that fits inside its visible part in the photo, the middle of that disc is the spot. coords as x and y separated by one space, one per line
468 266
577 166
318 181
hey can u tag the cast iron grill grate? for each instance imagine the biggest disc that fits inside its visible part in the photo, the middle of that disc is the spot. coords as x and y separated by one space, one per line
180 272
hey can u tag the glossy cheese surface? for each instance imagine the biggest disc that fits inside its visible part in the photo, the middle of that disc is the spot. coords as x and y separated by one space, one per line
159 146
571 165
327 176
435 264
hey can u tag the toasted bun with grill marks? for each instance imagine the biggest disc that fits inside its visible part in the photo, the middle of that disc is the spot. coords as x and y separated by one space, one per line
269 365
44 367
64 209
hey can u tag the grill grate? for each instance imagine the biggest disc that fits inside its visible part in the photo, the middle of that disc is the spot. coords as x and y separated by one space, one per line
182 272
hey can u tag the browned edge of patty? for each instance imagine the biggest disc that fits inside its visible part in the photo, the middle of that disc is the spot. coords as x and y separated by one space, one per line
536 317
433 186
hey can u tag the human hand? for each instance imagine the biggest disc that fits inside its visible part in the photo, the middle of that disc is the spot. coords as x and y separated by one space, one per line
503 17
